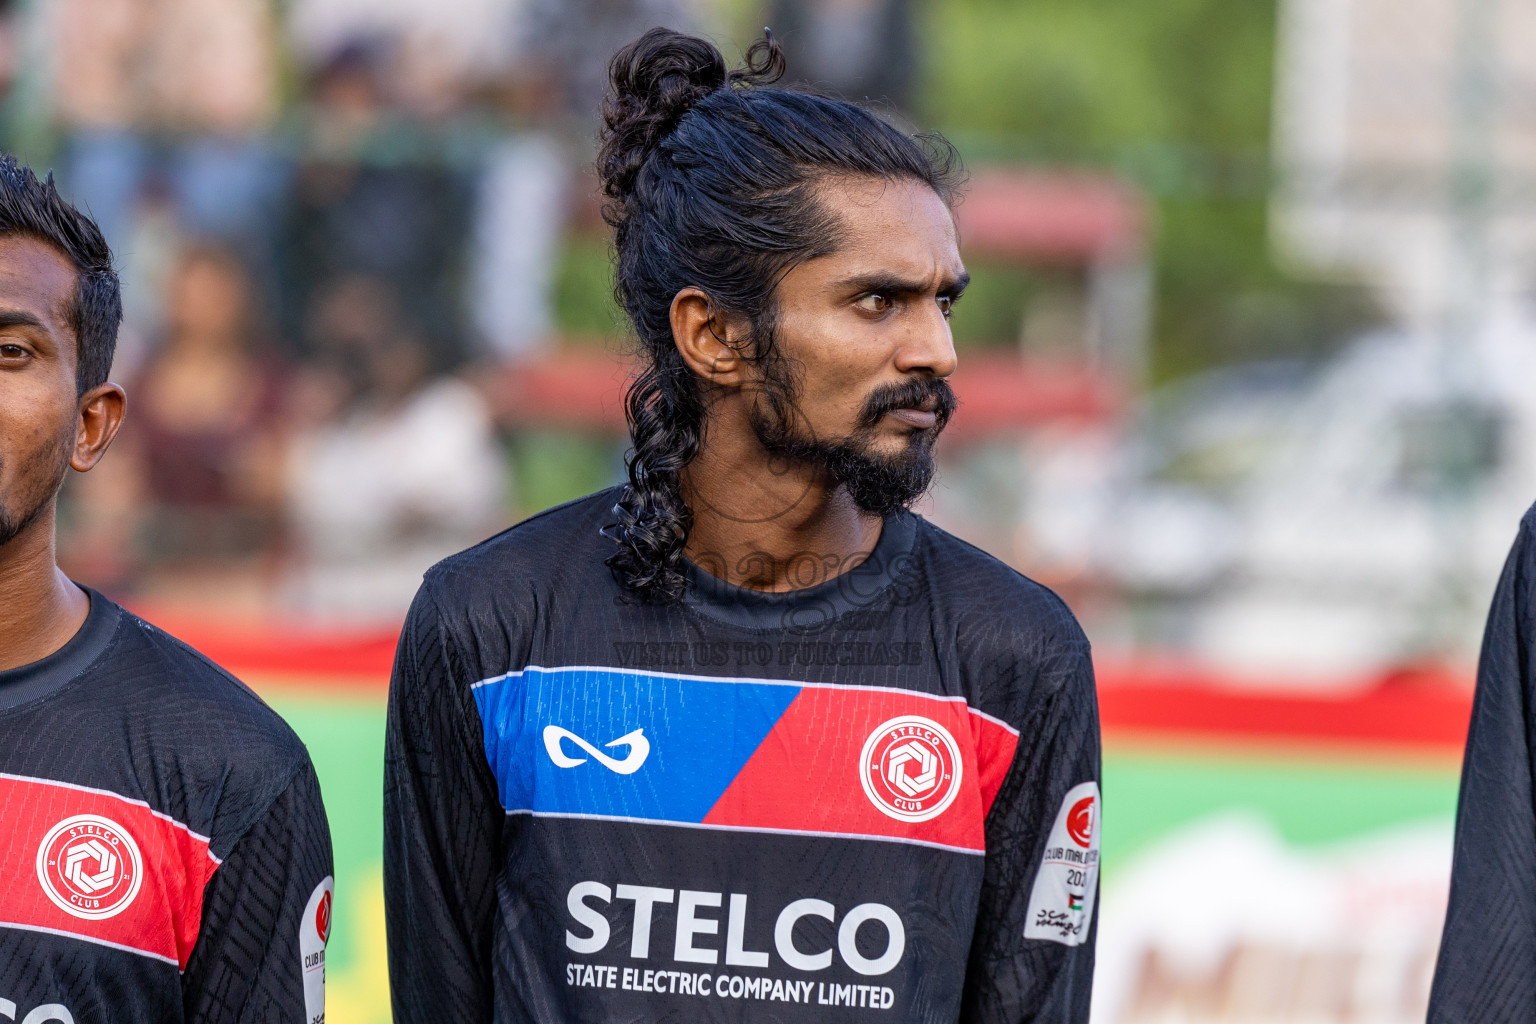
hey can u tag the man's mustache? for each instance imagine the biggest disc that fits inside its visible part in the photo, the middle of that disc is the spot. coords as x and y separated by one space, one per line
911 394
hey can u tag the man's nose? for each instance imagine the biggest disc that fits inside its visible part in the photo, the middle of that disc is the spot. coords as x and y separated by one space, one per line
928 345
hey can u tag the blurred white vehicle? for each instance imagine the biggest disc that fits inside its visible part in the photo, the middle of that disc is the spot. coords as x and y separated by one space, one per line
1307 526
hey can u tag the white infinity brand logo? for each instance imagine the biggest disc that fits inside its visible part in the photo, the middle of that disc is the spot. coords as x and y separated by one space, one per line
639 750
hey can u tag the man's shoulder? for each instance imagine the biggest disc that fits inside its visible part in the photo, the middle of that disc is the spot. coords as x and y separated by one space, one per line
1528 523
166 725
541 545
210 713
509 576
1522 553
986 597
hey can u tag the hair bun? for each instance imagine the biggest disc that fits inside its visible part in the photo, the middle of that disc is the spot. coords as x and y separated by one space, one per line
653 82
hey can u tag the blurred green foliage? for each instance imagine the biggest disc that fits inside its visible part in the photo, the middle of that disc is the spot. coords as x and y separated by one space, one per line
555 466
584 307
1072 75
1176 96
992 309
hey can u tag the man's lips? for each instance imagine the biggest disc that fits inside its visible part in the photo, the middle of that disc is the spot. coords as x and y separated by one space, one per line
922 419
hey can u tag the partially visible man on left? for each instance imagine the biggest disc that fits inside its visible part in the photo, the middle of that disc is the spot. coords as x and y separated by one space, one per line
164 853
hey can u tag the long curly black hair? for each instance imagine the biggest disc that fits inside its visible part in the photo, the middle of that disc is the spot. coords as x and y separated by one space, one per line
710 180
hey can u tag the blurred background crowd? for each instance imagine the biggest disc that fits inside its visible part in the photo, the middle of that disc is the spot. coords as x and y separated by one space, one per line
1243 374
350 235
1221 253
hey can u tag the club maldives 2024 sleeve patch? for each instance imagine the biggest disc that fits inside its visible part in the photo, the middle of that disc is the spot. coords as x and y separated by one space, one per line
314 930
1061 903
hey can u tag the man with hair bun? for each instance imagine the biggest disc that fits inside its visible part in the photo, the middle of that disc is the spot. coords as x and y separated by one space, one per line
744 739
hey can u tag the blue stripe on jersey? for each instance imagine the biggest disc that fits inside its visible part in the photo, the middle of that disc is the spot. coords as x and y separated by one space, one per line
699 732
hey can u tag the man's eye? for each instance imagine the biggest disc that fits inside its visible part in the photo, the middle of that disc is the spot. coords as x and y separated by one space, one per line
9 350
874 303
946 305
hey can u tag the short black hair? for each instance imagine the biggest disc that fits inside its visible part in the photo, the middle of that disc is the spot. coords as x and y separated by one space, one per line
34 208
712 179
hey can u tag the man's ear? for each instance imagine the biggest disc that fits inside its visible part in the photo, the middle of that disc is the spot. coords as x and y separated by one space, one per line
100 414
711 346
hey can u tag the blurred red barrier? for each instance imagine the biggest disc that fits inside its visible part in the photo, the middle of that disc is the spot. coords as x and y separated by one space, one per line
999 393
1045 217
1423 710
340 659
574 388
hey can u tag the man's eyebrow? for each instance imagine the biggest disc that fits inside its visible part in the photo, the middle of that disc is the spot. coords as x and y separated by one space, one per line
17 318
891 284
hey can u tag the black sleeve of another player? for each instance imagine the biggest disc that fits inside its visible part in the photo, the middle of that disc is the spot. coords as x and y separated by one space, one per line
442 830
1487 966
247 966
1011 978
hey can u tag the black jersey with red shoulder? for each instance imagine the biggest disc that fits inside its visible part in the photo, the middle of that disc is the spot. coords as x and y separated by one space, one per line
874 798
164 854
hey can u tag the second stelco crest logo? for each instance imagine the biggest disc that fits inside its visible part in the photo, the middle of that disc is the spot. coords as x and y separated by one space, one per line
90 866
910 768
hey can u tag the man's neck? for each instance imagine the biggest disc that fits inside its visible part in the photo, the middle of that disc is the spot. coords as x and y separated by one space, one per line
762 525
39 606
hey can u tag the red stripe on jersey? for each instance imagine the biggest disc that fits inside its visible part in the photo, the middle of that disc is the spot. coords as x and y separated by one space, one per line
880 763
995 747
101 867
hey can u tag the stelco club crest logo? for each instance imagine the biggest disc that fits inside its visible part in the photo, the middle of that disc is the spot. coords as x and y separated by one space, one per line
90 866
910 768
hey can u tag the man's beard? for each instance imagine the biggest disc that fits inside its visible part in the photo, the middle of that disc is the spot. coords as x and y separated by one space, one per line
12 526
36 501
879 484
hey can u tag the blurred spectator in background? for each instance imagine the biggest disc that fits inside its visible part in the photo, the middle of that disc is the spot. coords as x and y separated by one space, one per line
549 95
183 90
393 468
374 193
163 110
197 488
858 49
346 318
570 42
469 38
520 217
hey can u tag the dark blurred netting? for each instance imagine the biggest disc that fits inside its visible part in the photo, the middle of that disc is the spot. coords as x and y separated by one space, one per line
401 224
860 50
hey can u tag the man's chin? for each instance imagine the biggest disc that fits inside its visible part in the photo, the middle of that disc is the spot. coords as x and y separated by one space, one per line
885 486
896 445
14 523
10 528
883 475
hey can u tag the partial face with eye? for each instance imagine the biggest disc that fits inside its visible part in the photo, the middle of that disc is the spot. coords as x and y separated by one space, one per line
46 426
866 328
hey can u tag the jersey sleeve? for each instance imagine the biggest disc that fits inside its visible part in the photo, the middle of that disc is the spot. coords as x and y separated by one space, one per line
1031 957
1486 969
442 832
260 952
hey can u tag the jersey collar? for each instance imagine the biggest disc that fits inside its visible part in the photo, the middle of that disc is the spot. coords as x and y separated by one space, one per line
29 682
813 608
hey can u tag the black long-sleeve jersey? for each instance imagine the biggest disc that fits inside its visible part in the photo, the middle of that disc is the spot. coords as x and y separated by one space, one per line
876 797
1486 970
164 854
